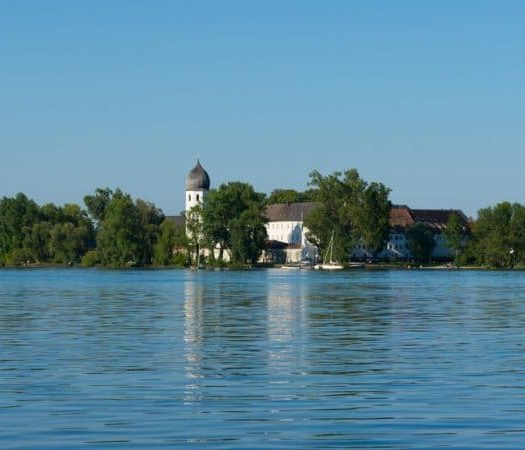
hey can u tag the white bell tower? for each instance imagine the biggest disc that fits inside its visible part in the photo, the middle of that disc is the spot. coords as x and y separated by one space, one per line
197 186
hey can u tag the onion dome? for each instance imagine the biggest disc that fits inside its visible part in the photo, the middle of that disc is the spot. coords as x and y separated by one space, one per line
198 179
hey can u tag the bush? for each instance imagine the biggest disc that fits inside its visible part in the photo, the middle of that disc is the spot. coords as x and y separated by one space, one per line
17 257
90 259
180 260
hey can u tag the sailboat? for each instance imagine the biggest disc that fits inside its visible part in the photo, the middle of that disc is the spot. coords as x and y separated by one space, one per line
328 264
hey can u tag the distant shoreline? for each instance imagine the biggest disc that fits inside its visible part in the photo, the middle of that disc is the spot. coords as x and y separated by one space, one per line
368 267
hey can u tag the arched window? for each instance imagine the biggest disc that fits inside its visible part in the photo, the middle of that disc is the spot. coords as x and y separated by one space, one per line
189 197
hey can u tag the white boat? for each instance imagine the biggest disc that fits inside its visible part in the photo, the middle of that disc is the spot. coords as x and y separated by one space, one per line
330 265
296 266
291 267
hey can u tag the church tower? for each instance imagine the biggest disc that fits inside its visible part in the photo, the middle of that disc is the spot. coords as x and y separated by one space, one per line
197 186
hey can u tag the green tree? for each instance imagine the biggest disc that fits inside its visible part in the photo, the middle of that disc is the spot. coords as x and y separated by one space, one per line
330 217
499 235
63 236
97 204
37 241
350 210
119 236
51 213
195 233
372 216
223 212
17 217
67 243
151 218
420 242
172 238
456 235
127 230
248 235
283 196
290 196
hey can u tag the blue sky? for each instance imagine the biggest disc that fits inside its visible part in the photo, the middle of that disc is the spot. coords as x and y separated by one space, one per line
426 97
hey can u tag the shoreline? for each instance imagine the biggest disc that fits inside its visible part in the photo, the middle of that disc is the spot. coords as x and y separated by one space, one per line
373 266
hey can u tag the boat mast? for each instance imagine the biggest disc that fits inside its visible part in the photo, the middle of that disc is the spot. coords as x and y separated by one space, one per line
330 250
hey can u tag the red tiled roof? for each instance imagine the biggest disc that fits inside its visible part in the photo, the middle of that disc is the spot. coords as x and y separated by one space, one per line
436 218
400 216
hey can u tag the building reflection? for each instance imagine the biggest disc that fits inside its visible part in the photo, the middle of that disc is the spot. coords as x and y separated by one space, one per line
235 329
286 311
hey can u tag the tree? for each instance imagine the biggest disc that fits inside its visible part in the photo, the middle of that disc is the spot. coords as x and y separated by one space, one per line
171 238
97 204
67 243
290 196
455 235
372 216
248 235
350 210
42 234
37 241
120 232
330 217
17 217
499 235
223 213
194 231
150 219
51 213
127 230
420 241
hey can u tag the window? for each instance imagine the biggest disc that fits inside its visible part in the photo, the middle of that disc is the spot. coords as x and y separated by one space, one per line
198 197
189 197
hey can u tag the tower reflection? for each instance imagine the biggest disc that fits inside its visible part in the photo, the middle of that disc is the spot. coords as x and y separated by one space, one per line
193 299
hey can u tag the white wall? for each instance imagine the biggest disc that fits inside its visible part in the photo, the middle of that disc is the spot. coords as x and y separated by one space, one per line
397 247
194 198
291 232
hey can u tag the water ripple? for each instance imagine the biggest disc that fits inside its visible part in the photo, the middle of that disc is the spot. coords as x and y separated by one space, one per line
264 359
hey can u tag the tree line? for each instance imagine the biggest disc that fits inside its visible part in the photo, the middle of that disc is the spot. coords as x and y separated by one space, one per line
115 230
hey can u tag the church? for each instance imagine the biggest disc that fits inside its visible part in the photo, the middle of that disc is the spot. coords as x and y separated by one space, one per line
287 236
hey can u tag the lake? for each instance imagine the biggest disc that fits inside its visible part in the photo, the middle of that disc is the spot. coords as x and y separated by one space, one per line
266 359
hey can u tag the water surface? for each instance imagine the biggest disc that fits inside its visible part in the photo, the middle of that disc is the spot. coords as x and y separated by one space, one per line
261 360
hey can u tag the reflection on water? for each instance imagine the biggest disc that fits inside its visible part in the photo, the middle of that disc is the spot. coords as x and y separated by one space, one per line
193 338
263 359
286 309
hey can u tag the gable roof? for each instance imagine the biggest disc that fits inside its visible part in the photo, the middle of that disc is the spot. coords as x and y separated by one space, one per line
400 216
436 218
289 212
